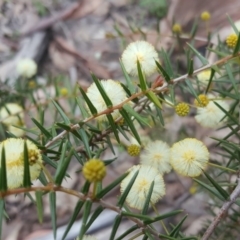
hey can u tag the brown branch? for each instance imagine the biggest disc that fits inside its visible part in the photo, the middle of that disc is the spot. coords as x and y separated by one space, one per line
222 212
157 90
82 197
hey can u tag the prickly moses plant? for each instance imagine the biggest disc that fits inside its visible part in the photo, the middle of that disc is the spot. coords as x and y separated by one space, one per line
108 112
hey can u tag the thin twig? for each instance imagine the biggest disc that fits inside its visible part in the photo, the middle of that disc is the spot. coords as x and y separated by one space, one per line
222 212
136 95
82 197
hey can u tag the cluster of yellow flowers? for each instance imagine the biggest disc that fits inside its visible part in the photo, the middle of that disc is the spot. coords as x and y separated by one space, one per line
187 157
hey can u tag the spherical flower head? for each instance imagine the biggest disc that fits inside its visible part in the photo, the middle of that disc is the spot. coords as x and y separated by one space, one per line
134 150
32 84
182 109
176 28
121 122
211 115
114 91
64 91
18 132
139 191
14 152
26 67
202 101
94 170
11 114
205 16
231 40
157 155
189 157
204 77
143 52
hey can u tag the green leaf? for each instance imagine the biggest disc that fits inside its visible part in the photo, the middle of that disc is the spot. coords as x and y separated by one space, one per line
39 203
49 161
228 94
235 120
164 73
61 163
115 226
231 77
136 115
130 124
198 54
232 24
3 171
217 186
194 28
52 200
167 237
42 129
111 186
236 49
136 215
85 187
210 80
82 108
153 98
131 229
73 218
62 167
85 141
109 144
160 116
102 91
190 67
1 215
210 189
61 112
94 216
26 173
113 126
86 214
150 237
148 199
123 197
130 84
175 231
163 216
190 88
142 80
92 109
167 62
64 126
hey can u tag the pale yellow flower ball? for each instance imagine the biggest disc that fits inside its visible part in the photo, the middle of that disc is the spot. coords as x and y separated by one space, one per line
143 52
115 92
157 155
26 67
189 157
211 115
14 152
11 114
18 132
204 77
138 193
